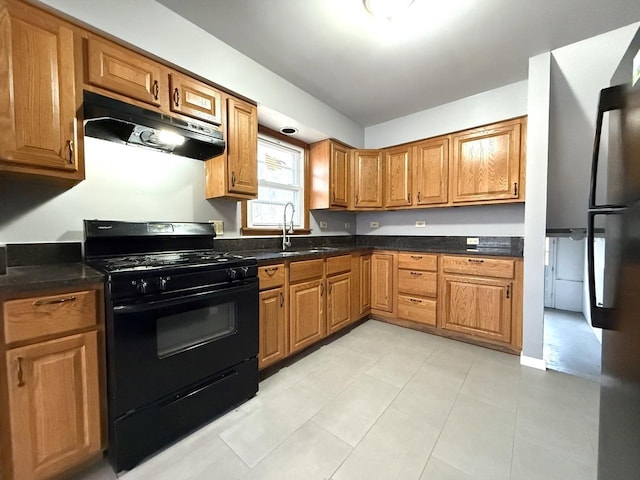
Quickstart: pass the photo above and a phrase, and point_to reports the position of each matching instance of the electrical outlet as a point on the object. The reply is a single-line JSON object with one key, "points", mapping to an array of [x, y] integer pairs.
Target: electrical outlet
{"points": [[347, 225], [219, 226], [323, 224], [473, 240], [374, 224], [421, 224]]}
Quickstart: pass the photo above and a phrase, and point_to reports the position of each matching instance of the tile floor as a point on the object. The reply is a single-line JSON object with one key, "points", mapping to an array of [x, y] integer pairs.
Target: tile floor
{"points": [[384, 402]]}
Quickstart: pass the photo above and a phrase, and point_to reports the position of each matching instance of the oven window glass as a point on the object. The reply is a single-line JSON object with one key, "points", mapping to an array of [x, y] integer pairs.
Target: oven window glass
{"points": [[182, 331]]}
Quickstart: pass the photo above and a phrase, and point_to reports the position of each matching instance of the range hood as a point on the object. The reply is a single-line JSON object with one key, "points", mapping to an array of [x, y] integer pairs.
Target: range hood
{"points": [[120, 122]]}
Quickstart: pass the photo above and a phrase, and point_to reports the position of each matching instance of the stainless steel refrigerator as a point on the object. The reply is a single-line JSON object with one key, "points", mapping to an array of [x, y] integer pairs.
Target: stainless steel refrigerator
{"points": [[614, 212]]}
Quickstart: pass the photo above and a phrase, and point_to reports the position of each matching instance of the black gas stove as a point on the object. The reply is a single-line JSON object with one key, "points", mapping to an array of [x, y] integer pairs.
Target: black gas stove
{"points": [[182, 331]]}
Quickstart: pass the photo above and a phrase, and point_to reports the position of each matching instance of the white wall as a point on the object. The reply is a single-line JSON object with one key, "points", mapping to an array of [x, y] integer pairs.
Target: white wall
{"points": [[578, 73], [125, 183]]}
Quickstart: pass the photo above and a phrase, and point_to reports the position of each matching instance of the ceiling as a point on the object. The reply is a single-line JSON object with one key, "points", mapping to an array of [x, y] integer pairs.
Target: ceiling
{"points": [[376, 70]]}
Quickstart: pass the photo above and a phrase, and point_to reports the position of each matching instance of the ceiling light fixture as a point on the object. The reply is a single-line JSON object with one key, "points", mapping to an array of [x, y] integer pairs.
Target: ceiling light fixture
{"points": [[289, 130], [387, 9]]}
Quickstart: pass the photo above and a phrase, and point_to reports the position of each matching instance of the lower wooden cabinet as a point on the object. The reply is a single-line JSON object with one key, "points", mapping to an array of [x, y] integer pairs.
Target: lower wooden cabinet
{"points": [[382, 290], [307, 322], [338, 302], [365, 284], [272, 327]]}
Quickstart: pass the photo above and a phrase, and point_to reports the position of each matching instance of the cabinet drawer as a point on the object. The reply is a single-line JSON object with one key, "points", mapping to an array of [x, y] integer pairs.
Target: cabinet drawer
{"points": [[338, 264], [418, 261], [416, 282], [271, 276], [420, 310], [49, 314], [486, 267], [306, 269]]}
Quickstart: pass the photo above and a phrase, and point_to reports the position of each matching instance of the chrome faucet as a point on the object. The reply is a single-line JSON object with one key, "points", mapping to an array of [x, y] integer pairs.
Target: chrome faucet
{"points": [[287, 242]]}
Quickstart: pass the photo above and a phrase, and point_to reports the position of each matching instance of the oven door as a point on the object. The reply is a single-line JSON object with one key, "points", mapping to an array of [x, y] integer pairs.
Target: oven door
{"points": [[165, 345]]}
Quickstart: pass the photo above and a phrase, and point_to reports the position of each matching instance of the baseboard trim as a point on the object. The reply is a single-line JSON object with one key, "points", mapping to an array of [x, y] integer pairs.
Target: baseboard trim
{"points": [[532, 362]]}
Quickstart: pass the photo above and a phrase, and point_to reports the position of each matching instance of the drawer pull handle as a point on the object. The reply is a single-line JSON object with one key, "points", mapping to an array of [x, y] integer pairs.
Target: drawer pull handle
{"points": [[20, 373], [70, 146], [281, 299], [233, 178], [321, 289], [515, 189], [416, 274], [416, 257], [508, 291], [409, 198], [155, 89], [53, 301], [176, 97], [419, 197], [271, 271], [414, 300], [473, 260]]}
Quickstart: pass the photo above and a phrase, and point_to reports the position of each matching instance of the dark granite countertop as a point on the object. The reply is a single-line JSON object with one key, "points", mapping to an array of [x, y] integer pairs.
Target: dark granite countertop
{"points": [[36, 278]]}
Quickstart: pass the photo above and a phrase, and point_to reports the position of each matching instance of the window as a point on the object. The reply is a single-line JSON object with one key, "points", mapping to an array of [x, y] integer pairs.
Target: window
{"points": [[281, 178]]}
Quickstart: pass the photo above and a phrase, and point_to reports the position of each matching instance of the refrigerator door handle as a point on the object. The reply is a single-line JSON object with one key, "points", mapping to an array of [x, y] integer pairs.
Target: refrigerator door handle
{"points": [[611, 98]]}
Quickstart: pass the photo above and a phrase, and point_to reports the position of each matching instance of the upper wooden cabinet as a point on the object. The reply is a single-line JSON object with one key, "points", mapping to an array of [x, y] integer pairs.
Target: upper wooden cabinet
{"points": [[193, 98], [398, 176], [39, 132], [431, 172], [330, 166], [486, 163], [367, 179]]}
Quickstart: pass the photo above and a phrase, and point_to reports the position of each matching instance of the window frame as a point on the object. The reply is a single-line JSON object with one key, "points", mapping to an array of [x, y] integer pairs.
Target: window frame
{"points": [[306, 178]]}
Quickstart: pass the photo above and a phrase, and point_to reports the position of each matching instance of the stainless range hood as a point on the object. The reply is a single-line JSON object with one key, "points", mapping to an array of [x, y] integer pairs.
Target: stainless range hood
{"points": [[120, 122]]}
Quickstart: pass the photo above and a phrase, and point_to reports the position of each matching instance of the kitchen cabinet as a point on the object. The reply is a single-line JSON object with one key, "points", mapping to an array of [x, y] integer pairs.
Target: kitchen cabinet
{"points": [[365, 284], [329, 162], [486, 163], [272, 327], [417, 287], [339, 287], [193, 98], [235, 174], [398, 176], [367, 179], [382, 284], [40, 135], [52, 379], [431, 172], [307, 315]]}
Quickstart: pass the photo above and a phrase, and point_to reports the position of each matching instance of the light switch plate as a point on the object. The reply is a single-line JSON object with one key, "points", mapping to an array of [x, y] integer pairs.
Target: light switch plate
{"points": [[473, 240], [347, 225], [374, 224], [323, 224], [219, 226], [421, 224]]}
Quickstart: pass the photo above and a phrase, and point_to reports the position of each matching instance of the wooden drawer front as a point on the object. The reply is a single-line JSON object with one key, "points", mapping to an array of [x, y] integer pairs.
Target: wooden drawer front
{"points": [[415, 282], [305, 269], [420, 310], [39, 316], [486, 267], [338, 264], [418, 261], [271, 276]]}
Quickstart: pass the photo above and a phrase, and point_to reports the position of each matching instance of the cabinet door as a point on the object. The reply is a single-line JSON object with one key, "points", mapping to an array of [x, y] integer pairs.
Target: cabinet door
{"points": [[122, 71], [398, 179], [272, 327], [367, 178], [486, 163], [306, 314], [39, 133], [54, 405], [338, 302], [382, 281], [365, 283], [193, 98], [478, 306], [431, 172], [242, 147], [339, 171]]}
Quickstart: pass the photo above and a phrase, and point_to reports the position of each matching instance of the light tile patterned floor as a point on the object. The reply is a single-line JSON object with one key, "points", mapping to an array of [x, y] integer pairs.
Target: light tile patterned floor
{"points": [[384, 402]]}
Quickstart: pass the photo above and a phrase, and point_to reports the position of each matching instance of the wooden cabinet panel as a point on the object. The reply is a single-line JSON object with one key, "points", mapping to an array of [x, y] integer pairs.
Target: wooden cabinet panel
{"points": [[306, 269], [122, 71], [487, 267], [431, 172], [365, 283], [196, 99], [39, 132], [416, 282], [418, 261], [272, 327], [29, 318], [271, 276], [398, 180], [54, 405], [367, 178], [422, 310], [330, 164], [242, 147], [339, 171], [338, 301], [382, 281], [478, 307], [339, 264], [306, 314], [486, 163]]}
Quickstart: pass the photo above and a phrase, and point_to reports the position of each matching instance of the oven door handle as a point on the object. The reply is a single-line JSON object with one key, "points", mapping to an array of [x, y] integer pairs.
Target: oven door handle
{"points": [[153, 305]]}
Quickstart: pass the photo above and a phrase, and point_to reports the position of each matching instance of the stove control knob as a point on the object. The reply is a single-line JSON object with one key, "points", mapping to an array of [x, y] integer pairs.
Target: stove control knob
{"points": [[243, 272], [143, 286], [163, 283], [232, 273]]}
